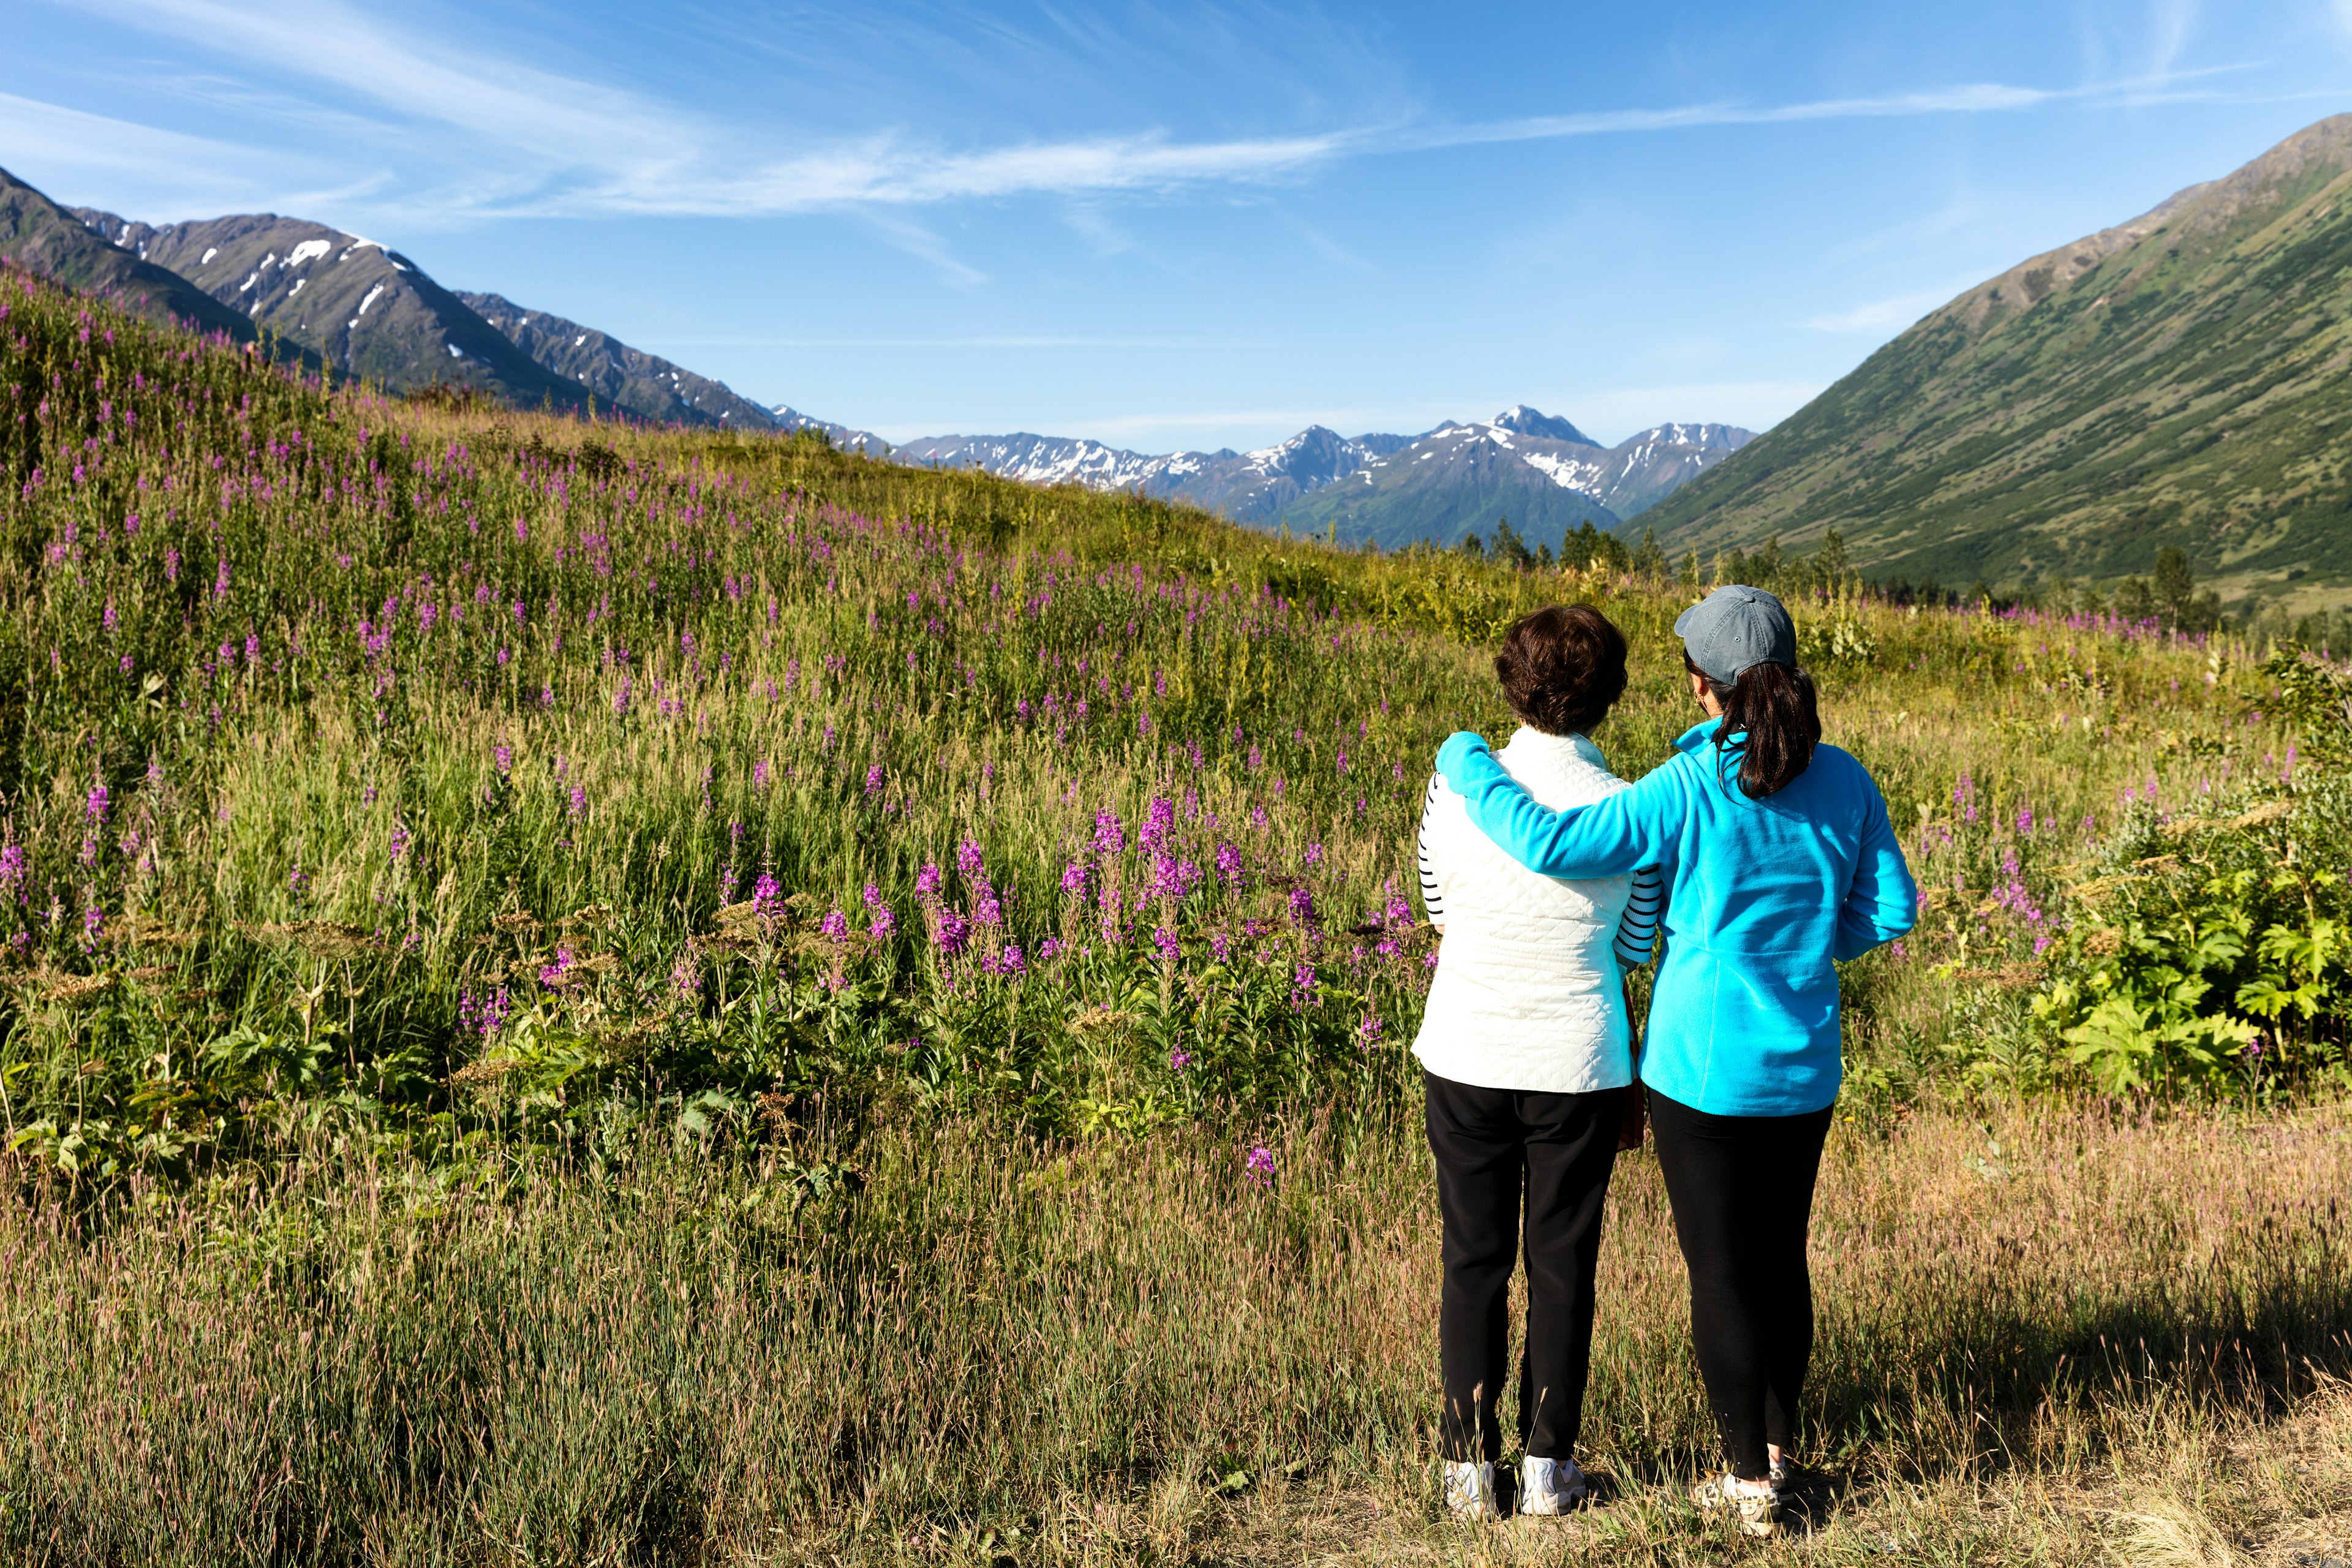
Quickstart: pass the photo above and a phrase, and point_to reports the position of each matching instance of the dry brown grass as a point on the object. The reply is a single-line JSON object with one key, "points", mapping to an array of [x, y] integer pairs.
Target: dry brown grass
{"points": [[2047, 1336]]}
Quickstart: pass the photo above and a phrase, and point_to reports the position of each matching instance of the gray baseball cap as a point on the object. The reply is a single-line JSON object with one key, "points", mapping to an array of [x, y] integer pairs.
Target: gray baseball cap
{"points": [[1734, 629]]}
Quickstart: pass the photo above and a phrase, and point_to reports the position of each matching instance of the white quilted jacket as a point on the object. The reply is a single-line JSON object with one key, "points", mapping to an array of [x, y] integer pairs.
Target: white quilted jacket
{"points": [[1527, 993]]}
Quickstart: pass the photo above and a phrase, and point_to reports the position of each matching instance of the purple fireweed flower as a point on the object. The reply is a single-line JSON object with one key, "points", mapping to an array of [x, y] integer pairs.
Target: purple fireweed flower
{"points": [[950, 931], [768, 900], [1075, 877], [874, 779], [1257, 1166], [760, 774], [485, 1015], [1302, 906], [1315, 854], [1049, 950], [929, 880], [1165, 941], [1302, 979], [987, 911], [95, 807], [969, 860], [399, 841], [554, 973], [835, 925], [1221, 944], [1159, 826], [1229, 864], [1165, 882], [1368, 1029], [884, 924], [685, 978], [504, 757], [1179, 1059], [1110, 834], [124, 664], [579, 801]]}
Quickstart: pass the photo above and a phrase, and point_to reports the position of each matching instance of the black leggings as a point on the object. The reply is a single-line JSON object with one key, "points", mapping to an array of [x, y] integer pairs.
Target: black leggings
{"points": [[1742, 1189], [1494, 1147]]}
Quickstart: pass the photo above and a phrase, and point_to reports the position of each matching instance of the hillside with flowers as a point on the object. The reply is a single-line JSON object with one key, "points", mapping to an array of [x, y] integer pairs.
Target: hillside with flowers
{"points": [[493, 888]]}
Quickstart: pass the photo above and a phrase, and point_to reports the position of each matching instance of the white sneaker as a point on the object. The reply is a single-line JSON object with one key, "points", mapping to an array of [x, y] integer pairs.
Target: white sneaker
{"points": [[1756, 1513], [1549, 1487], [1470, 1491]]}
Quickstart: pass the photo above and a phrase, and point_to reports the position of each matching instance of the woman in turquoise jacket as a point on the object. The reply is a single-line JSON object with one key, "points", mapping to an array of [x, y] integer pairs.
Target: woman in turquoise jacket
{"points": [[1778, 861]]}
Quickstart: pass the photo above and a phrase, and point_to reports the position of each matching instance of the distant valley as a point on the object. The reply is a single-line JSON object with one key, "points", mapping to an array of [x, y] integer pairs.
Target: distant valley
{"points": [[1541, 473]]}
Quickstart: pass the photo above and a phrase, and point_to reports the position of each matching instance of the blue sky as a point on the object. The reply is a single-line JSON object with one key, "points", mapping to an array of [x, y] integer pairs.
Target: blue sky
{"points": [[1172, 226]]}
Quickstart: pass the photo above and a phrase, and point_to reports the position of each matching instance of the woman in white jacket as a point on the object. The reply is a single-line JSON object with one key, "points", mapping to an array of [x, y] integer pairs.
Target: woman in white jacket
{"points": [[1527, 1047]]}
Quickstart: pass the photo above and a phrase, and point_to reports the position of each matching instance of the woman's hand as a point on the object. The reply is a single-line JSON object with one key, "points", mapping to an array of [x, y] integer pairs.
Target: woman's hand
{"points": [[1636, 1118]]}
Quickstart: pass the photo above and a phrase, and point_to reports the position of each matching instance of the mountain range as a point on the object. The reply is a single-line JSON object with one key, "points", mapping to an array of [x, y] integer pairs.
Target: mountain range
{"points": [[338, 300], [1539, 471], [2176, 380]]}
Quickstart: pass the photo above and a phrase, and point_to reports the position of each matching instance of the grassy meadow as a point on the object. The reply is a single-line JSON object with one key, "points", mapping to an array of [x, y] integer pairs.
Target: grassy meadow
{"points": [[583, 993]]}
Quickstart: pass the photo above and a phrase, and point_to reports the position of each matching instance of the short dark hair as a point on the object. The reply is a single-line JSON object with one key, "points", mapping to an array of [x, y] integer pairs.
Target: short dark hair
{"points": [[1562, 667]]}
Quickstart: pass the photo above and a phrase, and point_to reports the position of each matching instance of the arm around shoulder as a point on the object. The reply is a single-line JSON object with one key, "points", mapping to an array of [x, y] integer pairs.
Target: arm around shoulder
{"points": [[1598, 840]]}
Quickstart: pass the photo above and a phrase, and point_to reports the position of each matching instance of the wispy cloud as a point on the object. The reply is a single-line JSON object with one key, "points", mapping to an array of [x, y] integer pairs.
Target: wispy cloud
{"points": [[923, 244], [1882, 315], [48, 137], [543, 144]]}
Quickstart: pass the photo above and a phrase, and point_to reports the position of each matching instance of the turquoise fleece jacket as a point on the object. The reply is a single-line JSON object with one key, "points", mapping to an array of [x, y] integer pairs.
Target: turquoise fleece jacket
{"points": [[1761, 897]]}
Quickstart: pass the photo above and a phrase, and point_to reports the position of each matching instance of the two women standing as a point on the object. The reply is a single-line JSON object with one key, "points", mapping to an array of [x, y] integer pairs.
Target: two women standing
{"points": [[1776, 861]]}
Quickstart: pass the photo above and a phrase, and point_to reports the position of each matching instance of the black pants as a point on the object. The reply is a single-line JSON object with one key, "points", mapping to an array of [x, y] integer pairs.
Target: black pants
{"points": [[1742, 1189], [1496, 1147]]}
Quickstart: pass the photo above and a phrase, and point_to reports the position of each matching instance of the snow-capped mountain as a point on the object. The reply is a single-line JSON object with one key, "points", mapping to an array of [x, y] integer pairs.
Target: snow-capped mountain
{"points": [[372, 312], [1250, 487], [866, 443], [367, 310], [1537, 471]]}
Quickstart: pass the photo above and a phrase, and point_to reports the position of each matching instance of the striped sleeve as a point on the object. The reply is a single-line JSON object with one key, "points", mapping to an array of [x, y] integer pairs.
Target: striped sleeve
{"points": [[1432, 906], [1639, 926]]}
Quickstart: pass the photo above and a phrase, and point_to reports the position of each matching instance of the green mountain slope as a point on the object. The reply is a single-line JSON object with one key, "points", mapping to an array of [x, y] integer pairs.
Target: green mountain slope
{"points": [[47, 240], [2179, 379]]}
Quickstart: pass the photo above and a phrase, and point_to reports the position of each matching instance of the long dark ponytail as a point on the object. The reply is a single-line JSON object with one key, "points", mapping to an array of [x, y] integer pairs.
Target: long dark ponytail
{"points": [[1770, 722]]}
